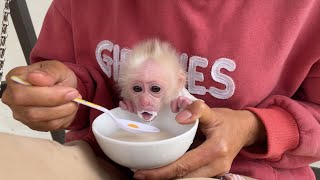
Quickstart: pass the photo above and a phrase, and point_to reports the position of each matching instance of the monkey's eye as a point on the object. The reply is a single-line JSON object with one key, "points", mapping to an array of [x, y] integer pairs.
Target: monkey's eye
{"points": [[155, 88], [137, 88]]}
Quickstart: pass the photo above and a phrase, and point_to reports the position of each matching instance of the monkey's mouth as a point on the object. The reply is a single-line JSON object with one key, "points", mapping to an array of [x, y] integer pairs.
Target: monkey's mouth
{"points": [[147, 115]]}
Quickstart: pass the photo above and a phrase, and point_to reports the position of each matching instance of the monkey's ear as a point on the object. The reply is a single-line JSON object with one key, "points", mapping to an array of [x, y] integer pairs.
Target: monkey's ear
{"points": [[182, 80]]}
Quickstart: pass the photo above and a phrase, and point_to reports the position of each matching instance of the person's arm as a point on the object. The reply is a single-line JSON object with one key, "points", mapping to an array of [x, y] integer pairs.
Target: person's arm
{"points": [[56, 42], [292, 125]]}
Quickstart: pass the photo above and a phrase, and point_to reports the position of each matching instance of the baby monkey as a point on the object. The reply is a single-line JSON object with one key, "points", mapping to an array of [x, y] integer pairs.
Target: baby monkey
{"points": [[151, 78]]}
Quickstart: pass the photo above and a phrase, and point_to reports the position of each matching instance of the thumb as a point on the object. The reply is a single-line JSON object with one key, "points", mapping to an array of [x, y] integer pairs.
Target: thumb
{"points": [[197, 110], [49, 73]]}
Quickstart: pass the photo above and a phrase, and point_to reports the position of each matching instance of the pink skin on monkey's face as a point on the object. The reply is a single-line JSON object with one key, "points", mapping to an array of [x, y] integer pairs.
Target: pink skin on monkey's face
{"points": [[148, 90], [147, 99]]}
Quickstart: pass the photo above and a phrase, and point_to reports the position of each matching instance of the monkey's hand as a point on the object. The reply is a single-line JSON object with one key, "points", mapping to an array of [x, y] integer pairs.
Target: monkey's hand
{"points": [[127, 105], [180, 102]]}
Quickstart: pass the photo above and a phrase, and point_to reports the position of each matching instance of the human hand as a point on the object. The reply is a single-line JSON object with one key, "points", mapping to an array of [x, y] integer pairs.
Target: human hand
{"points": [[47, 104], [226, 132]]}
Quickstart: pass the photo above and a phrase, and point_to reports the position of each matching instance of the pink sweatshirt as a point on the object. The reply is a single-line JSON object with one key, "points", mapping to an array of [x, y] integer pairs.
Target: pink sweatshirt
{"points": [[258, 55]]}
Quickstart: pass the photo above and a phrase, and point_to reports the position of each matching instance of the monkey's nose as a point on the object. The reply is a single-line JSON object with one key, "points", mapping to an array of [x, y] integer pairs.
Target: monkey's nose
{"points": [[145, 101]]}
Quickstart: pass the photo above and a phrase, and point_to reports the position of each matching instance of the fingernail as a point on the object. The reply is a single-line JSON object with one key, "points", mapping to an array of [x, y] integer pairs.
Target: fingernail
{"points": [[71, 95], [139, 176], [183, 115]]}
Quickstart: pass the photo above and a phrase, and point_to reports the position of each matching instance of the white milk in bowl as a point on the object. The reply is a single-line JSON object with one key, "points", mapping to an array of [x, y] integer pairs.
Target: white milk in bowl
{"points": [[122, 135]]}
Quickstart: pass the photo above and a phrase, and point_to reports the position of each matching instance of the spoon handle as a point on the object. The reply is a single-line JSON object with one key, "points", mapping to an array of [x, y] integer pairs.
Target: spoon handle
{"points": [[92, 105]]}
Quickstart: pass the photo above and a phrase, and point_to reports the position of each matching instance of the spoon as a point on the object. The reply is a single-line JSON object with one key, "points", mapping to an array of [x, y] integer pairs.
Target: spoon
{"points": [[128, 125]]}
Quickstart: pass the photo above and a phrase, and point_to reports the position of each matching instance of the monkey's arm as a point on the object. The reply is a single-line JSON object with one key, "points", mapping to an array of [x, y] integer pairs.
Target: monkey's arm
{"points": [[127, 105], [182, 101], [186, 93]]}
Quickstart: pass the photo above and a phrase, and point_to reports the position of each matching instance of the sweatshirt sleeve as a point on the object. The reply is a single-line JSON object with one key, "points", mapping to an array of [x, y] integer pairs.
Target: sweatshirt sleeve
{"points": [[55, 42], [292, 125]]}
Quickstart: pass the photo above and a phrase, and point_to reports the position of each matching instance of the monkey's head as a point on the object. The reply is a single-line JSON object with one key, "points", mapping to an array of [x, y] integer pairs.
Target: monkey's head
{"points": [[151, 77]]}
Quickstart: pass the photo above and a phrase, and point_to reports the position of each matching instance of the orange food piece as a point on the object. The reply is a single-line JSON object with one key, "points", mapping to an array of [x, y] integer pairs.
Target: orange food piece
{"points": [[133, 125]]}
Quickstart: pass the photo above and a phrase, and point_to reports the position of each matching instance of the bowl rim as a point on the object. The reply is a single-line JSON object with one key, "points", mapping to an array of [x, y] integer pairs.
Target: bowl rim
{"points": [[96, 132]]}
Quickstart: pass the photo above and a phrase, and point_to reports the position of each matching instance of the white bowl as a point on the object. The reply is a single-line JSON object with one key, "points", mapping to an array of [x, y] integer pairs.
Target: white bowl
{"points": [[147, 154]]}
